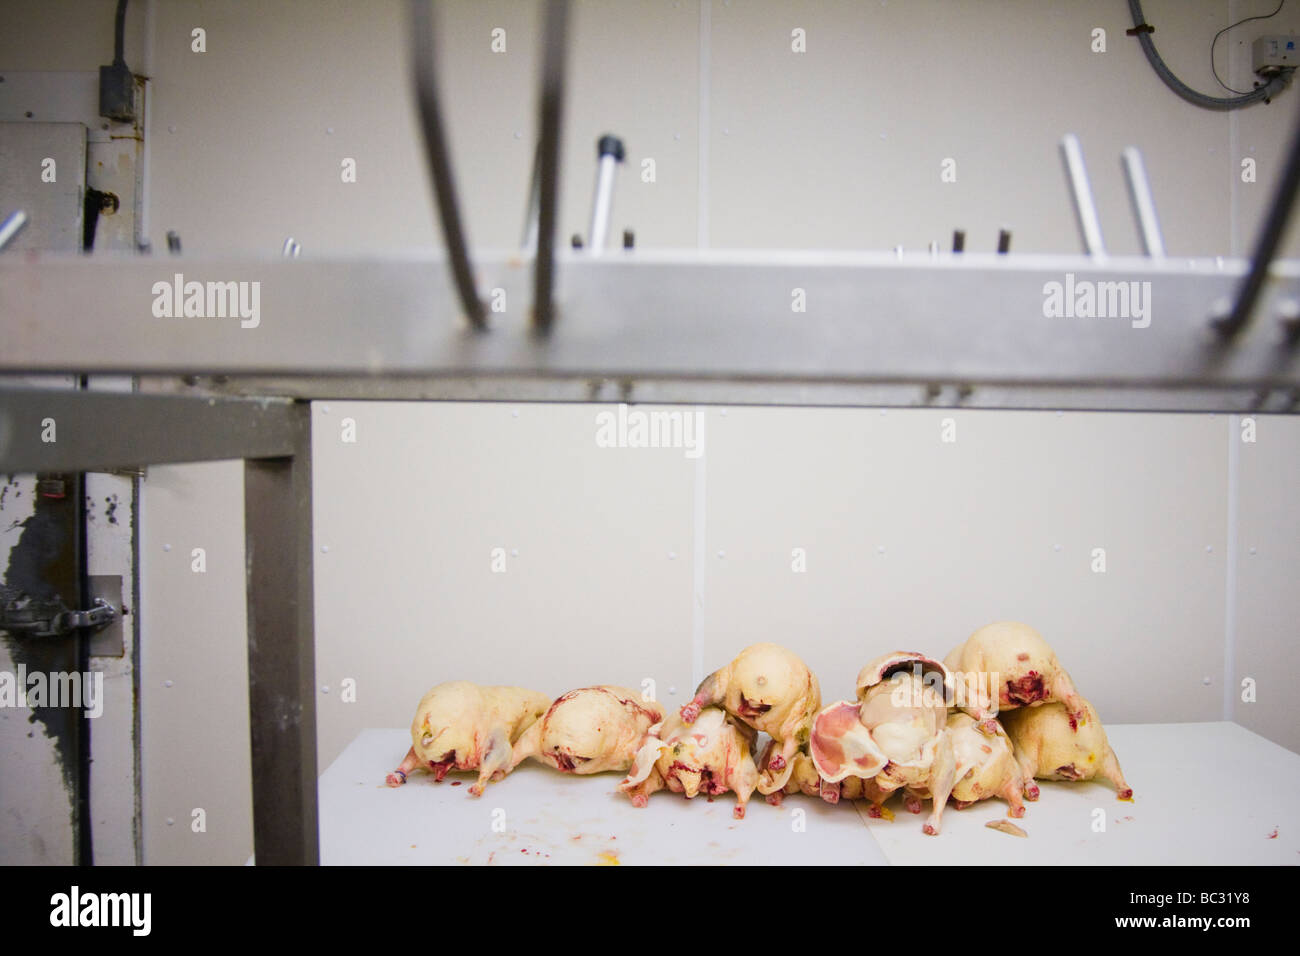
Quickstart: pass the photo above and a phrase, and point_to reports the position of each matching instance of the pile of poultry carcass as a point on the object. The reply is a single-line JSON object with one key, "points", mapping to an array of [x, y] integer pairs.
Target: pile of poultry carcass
{"points": [[996, 713]]}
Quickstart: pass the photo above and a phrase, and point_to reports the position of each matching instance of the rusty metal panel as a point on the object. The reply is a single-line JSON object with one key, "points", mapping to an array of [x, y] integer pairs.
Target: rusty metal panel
{"points": [[42, 784]]}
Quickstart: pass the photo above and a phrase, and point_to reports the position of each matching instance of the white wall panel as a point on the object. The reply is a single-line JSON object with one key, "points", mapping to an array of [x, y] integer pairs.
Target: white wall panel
{"points": [[912, 543], [1266, 626], [408, 517], [194, 666], [841, 146]]}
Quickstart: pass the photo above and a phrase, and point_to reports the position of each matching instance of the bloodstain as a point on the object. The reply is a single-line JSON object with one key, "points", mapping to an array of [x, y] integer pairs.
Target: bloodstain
{"points": [[456, 783], [1027, 689], [1273, 835]]}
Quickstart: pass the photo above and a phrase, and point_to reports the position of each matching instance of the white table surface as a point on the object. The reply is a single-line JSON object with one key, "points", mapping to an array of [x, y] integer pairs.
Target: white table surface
{"points": [[1209, 793], [550, 817]]}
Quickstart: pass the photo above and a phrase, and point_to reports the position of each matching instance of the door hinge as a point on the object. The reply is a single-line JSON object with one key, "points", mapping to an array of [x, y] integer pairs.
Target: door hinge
{"points": [[25, 616]]}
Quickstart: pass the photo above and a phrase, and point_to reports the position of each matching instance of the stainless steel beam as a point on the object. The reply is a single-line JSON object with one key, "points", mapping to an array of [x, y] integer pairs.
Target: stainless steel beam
{"points": [[661, 391], [281, 652], [975, 319], [56, 430]]}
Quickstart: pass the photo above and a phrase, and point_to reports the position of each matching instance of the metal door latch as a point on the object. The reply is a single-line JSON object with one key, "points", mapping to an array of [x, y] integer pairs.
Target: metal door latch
{"points": [[24, 616]]}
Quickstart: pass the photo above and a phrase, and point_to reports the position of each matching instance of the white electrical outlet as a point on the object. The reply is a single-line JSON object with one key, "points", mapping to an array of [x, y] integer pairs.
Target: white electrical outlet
{"points": [[1274, 53]]}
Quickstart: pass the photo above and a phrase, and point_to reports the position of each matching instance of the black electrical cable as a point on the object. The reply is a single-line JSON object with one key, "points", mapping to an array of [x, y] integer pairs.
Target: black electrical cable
{"points": [[117, 93], [119, 35], [1270, 237], [1225, 30], [1264, 94]]}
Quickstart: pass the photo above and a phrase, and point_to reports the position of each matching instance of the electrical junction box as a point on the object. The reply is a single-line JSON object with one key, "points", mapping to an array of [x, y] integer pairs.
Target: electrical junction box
{"points": [[1274, 53]]}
